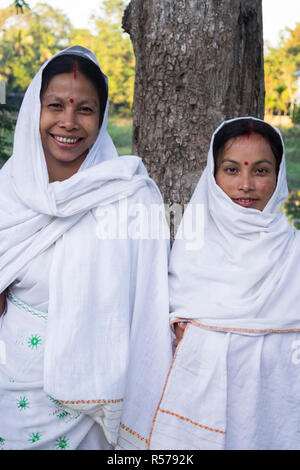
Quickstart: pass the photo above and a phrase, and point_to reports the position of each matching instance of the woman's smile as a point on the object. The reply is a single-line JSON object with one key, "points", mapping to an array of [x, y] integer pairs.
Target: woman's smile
{"points": [[66, 140], [245, 202]]}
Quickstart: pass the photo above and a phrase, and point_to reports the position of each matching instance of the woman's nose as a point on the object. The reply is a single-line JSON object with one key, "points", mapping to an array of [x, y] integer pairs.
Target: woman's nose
{"points": [[246, 182], [68, 119]]}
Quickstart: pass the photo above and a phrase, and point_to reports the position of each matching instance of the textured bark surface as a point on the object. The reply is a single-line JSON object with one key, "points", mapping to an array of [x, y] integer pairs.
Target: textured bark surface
{"points": [[198, 62]]}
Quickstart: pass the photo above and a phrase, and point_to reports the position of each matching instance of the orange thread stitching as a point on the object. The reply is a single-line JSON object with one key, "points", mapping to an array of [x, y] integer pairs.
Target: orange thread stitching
{"points": [[244, 330], [126, 428], [164, 389], [207, 428], [171, 426]]}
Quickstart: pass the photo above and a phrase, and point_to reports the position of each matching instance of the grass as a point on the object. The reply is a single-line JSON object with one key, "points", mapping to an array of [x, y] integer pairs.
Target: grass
{"points": [[291, 138], [121, 132]]}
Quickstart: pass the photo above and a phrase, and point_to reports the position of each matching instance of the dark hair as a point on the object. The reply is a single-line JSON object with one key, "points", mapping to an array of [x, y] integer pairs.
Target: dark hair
{"points": [[246, 126], [65, 63]]}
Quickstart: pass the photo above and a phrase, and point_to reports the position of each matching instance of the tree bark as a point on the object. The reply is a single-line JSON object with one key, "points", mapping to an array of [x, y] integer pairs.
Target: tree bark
{"points": [[198, 62]]}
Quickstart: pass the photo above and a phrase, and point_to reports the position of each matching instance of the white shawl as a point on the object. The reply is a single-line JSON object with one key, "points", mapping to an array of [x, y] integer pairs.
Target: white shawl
{"points": [[242, 275], [92, 282]]}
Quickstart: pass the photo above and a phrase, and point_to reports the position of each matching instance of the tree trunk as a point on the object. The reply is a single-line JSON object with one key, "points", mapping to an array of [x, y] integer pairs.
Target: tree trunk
{"points": [[198, 62]]}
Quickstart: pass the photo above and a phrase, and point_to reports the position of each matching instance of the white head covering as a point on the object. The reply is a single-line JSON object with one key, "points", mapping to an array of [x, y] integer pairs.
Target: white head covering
{"points": [[89, 310], [29, 202], [243, 277]]}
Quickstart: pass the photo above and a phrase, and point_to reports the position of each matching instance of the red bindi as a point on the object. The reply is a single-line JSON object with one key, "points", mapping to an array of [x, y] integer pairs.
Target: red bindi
{"points": [[71, 100], [246, 163]]}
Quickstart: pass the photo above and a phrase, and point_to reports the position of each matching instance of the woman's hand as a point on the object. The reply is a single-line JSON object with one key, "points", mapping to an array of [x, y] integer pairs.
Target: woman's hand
{"points": [[179, 328], [2, 302]]}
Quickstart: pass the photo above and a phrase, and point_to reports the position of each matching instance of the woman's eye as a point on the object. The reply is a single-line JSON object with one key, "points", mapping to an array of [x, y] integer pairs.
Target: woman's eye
{"points": [[86, 109], [262, 171], [54, 105], [230, 170]]}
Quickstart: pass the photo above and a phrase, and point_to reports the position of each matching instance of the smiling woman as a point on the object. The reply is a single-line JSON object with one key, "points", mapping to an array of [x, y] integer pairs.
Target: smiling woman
{"points": [[71, 295]]}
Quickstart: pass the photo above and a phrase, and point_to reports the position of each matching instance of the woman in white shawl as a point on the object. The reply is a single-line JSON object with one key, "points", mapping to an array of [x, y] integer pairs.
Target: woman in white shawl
{"points": [[234, 382], [81, 281]]}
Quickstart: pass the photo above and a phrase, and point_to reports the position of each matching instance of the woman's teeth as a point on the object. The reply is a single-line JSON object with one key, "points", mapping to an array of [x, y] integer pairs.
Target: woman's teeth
{"points": [[65, 140]]}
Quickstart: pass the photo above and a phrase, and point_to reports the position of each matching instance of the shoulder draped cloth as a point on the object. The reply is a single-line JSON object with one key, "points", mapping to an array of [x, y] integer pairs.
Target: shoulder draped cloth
{"points": [[97, 288]]}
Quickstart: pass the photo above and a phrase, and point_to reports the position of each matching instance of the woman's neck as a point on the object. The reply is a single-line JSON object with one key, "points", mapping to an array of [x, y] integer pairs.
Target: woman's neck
{"points": [[60, 171]]}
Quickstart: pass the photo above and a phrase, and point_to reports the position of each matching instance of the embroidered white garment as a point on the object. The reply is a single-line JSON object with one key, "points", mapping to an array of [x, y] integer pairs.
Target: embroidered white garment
{"points": [[31, 418], [239, 289], [92, 281]]}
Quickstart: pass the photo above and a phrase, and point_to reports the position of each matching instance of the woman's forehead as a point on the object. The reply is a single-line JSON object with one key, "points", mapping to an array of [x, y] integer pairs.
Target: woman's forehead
{"points": [[67, 86], [254, 146]]}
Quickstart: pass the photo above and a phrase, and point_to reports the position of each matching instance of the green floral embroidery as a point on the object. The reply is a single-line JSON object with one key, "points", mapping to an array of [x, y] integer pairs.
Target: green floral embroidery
{"points": [[63, 414], [56, 402], [62, 443], [23, 403], [34, 437], [2, 441], [34, 341]]}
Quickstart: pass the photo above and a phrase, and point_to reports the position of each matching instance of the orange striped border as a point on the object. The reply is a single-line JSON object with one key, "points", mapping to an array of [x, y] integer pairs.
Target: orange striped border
{"points": [[238, 330], [207, 428], [165, 386], [83, 402], [126, 428], [244, 330]]}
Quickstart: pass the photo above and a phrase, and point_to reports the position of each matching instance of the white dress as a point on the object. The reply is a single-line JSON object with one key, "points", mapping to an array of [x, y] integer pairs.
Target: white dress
{"points": [[33, 419], [231, 391]]}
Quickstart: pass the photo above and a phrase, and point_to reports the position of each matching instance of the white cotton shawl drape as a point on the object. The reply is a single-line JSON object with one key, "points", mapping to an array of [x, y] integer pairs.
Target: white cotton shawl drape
{"points": [[86, 353], [242, 275]]}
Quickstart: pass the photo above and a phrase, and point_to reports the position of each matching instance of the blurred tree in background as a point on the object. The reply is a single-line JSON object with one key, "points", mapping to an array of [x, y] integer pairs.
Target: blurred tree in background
{"points": [[115, 53], [292, 208], [30, 38], [27, 41], [280, 65], [20, 5]]}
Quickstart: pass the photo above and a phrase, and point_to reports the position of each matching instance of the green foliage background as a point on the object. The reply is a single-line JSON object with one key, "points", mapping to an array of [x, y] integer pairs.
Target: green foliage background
{"points": [[28, 37], [280, 65], [27, 40]]}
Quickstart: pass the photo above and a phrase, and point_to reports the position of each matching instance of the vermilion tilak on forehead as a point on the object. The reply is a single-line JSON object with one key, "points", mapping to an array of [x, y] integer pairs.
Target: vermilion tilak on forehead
{"points": [[75, 75], [249, 130]]}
